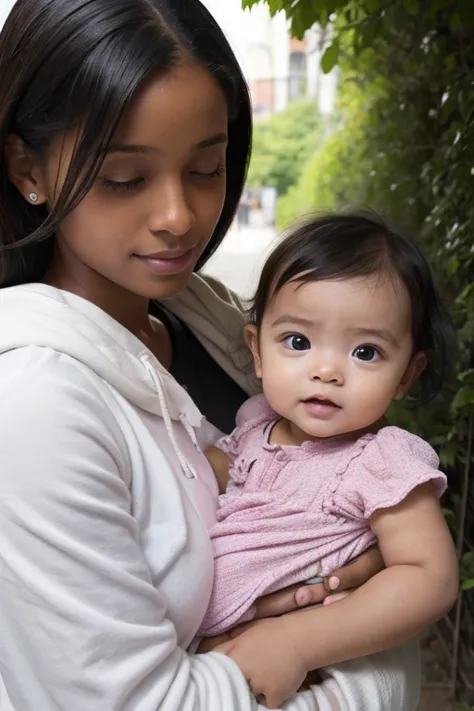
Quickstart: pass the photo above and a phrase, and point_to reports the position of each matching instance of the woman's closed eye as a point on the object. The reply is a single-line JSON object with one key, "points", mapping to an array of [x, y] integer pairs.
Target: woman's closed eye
{"points": [[123, 185], [217, 172], [367, 353], [296, 342]]}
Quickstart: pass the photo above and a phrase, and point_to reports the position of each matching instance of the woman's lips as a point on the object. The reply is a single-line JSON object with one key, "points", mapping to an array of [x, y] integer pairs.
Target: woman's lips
{"points": [[167, 262]]}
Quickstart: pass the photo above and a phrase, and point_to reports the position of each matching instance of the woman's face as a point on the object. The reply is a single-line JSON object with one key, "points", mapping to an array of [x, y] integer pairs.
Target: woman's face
{"points": [[159, 194]]}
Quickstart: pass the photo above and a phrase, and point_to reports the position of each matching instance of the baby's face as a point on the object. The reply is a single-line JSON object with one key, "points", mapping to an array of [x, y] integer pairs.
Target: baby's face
{"points": [[332, 355]]}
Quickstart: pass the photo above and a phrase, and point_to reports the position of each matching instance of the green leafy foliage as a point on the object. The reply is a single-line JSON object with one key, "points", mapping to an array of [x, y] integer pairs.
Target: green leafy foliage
{"points": [[467, 572], [282, 145], [335, 175], [304, 13], [330, 57]]}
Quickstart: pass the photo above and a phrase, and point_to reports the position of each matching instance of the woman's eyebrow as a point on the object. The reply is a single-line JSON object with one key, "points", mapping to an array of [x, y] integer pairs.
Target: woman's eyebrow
{"points": [[136, 148], [212, 141]]}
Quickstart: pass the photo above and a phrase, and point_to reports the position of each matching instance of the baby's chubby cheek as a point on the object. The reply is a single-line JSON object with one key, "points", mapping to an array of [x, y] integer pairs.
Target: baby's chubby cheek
{"points": [[278, 392]]}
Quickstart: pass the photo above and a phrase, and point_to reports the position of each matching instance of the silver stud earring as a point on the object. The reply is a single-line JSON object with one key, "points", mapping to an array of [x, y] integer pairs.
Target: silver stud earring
{"points": [[33, 197]]}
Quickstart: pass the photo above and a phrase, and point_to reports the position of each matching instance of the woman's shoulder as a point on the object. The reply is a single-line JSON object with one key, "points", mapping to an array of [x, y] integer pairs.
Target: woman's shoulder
{"points": [[39, 384], [39, 367], [208, 283], [54, 420]]}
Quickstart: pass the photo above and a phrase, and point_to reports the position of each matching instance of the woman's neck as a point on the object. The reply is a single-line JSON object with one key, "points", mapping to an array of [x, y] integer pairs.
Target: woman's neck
{"points": [[130, 310]]}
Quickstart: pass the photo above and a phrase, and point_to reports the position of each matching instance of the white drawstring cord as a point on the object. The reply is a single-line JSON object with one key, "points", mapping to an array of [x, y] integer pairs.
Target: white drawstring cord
{"points": [[185, 465], [189, 429]]}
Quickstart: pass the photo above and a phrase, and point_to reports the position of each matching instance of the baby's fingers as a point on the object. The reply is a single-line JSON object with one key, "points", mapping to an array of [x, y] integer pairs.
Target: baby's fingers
{"points": [[330, 599], [310, 594], [278, 603], [357, 572]]}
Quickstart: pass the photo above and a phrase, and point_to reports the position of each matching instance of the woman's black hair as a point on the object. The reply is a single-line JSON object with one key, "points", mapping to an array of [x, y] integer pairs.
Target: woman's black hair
{"points": [[360, 244], [77, 64]]}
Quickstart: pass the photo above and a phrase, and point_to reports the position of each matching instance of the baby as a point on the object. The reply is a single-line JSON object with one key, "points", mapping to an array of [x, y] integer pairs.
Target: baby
{"points": [[345, 319]]}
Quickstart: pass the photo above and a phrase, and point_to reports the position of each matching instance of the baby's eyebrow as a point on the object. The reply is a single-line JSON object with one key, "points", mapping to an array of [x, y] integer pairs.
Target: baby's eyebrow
{"points": [[293, 320], [382, 333]]}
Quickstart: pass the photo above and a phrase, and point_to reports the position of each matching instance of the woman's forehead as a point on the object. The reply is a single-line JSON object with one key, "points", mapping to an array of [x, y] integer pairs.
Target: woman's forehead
{"points": [[181, 109]]}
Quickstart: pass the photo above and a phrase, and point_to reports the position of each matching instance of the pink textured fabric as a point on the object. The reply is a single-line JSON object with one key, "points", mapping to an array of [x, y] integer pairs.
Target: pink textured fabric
{"points": [[291, 513]]}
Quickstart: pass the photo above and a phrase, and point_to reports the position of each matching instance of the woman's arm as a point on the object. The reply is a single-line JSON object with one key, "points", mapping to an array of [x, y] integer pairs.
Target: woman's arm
{"points": [[83, 624], [389, 681]]}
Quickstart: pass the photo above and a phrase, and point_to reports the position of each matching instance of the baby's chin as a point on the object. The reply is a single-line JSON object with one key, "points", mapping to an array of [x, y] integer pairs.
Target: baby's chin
{"points": [[327, 431], [315, 431]]}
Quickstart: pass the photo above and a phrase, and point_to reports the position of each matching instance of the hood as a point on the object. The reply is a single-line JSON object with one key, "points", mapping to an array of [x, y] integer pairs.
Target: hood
{"points": [[40, 315]]}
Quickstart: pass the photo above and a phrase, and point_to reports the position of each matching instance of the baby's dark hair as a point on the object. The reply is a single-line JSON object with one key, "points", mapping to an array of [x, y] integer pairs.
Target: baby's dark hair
{"points": [[360, 244]]}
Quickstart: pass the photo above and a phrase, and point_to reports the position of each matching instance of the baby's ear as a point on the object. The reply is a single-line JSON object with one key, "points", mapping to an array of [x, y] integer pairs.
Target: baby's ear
{"points": [[251, 336], [415, 368]]}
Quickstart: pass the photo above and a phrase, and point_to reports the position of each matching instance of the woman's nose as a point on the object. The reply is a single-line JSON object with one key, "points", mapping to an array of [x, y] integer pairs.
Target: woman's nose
{"points": [[171, 211]]}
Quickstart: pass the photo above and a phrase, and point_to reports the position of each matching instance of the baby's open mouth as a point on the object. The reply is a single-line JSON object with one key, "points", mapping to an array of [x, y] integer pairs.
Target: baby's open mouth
{"points": [[320, 408], [316, 400]]}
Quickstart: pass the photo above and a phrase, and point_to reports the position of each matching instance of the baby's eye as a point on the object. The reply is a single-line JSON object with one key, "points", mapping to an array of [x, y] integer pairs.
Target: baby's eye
{"points": [[297, 342], [366, 353]]}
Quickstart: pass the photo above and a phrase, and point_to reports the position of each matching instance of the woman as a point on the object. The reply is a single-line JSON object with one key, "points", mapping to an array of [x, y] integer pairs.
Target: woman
{"points": [[119, 120]]}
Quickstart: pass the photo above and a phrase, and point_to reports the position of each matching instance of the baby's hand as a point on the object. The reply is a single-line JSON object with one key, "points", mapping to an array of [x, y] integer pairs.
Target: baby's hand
{"points": [[270, 661]]}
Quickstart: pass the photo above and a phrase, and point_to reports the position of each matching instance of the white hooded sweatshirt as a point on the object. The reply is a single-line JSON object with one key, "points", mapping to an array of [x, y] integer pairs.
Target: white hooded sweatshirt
{"points": [[105, 504]]}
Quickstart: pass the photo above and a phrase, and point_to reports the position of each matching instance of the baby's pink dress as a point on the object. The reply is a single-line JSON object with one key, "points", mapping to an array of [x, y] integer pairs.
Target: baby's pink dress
{"points": [[292, 513]]}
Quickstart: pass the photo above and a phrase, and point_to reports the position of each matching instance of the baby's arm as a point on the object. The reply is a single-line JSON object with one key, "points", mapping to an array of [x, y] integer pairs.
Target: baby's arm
{"points": [[418, 587], [219, 462]]}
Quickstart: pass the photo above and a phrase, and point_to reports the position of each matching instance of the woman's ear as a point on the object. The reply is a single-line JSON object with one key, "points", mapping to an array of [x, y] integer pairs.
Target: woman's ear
{"points": [[414, 370], [251, 336], [23, 170]]}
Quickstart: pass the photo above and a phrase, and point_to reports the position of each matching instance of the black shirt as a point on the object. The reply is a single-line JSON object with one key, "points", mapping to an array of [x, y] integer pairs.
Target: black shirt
{"points": [[214, 392]]}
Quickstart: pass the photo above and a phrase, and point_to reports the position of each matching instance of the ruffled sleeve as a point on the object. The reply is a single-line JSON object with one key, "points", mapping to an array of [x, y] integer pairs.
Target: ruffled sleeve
{"points": [[251, 414], [254, 410], [389, 467]]}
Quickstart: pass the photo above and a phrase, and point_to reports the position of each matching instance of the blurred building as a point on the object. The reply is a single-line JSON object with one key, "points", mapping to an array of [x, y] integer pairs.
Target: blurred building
{"points": [[279, 68]]}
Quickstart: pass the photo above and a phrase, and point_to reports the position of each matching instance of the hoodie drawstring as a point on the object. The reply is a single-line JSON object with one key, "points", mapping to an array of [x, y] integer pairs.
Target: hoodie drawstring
{"points": [[189, 429], [187, 468]]}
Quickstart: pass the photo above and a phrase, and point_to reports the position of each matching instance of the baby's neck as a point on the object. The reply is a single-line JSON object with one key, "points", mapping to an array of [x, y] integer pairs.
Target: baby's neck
{"points": [[285, 433]]}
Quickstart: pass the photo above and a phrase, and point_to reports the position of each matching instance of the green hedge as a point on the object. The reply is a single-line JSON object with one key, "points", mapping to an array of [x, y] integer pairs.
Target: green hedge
{"points": [[282, 144]]}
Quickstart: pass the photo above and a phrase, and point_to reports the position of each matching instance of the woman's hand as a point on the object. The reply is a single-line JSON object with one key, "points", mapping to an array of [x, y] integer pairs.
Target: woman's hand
{"points": [[271, 662], [335, 587], [208, 644]]}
